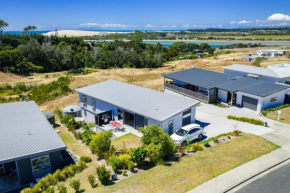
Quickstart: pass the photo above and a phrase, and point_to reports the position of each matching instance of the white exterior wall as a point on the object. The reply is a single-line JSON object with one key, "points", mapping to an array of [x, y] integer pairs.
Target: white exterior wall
{"points": [[264, 103], [240, 98], [223, 95], [89, 116], [177, 121], [88, 113]]}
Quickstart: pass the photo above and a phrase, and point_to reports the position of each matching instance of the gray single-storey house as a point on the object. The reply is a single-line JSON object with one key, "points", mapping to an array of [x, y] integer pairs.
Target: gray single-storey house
{"points": [[135, 106], [29, 146], [275, 75], [209, 87]]}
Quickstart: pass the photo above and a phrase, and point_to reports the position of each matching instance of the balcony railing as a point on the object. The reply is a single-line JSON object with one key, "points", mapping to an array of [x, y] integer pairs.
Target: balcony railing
{"points": [[187, 92]]}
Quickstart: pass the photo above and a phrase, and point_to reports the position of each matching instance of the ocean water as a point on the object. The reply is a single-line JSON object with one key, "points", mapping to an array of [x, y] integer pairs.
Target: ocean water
{"points": [[166, 43]]}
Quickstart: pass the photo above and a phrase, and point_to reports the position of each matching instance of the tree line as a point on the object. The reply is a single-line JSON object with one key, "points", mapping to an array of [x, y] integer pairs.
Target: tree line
{"points": [[32, 52]]}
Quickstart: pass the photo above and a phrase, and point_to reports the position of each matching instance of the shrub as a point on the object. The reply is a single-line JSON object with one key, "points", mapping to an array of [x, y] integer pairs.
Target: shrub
{"points": [[196, 147], [103, 174], [66, 119], [101, 143], [110, 153], [68, 172], [50, 189], [51, 180], [138, 155], [158, 143], [87, 136], [92, 180], [216, 140], [27, 190], [124, 172], [61, 188], [247, 120], [36, 188], [59, 175], [75, 184], [115, 162], [86, 159], [124, 159], [43, 185], [130, 166], [237, 133], [206, 144]]}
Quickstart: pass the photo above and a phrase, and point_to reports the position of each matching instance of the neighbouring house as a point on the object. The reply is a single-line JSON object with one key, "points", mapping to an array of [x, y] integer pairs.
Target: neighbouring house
{"points": [[210, 87], [272, 53], [273, 74], [135, 106], [29, 146]]}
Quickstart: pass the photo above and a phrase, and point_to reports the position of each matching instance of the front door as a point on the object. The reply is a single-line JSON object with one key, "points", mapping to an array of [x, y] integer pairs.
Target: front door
{"points": [[170, 127], [129, 119]]}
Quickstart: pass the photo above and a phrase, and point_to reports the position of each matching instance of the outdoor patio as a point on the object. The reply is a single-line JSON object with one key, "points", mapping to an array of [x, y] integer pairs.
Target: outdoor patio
{"points": [[9, 182], [128, 129]]}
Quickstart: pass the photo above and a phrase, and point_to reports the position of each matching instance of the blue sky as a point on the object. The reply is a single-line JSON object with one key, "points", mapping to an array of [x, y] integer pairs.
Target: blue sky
{"points": [[143, 14]]}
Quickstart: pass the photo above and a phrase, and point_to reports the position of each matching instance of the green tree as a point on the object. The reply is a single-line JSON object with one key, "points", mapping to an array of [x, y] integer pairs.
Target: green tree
{"points": [[114, 161], [158, 143], [3, 24], [101, 143], [103, 174], [29, 29], [138, 155]]}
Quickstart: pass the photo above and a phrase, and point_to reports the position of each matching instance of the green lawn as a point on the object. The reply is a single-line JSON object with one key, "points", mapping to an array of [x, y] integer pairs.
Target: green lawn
{"points": [[190, 172], [285, 116], [126, 141], [195, 169]]}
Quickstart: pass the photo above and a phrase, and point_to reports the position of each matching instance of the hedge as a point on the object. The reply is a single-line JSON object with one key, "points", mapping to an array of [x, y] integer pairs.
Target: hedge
{"points": [[247, 120], [265, 112]]}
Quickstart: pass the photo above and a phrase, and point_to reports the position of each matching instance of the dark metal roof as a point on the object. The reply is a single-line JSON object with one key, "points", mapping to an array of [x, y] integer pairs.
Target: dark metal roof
{"points": [[264, 88], [210, 79], [199, 77]]}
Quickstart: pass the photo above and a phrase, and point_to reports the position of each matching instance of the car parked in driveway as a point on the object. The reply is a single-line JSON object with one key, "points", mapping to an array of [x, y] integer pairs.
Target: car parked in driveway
{"points": [[189, 132]]}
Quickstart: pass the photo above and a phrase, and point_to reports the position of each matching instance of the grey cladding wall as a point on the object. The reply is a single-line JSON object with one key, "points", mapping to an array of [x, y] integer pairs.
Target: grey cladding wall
{"points": [[56, 160], [25, 171]]}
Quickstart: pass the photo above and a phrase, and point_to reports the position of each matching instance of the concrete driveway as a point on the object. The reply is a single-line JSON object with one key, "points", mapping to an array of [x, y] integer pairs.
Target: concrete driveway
{"points": [[214, 120]]}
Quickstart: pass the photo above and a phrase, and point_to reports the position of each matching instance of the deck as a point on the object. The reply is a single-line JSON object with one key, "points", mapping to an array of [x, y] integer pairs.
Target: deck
{"points": [[189, 93]]}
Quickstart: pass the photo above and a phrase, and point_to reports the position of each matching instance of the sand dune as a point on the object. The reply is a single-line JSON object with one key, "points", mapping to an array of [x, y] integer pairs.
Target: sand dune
{"points": [[76, 33]]}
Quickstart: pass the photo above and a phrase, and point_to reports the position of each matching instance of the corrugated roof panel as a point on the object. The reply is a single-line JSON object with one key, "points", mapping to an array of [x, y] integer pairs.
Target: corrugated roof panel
{"points": [[199, 77], [149, 103], [24, 130]]}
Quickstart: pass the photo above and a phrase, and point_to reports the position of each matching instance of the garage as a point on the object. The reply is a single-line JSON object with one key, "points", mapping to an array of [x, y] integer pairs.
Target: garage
{"points": [[250, 103]]}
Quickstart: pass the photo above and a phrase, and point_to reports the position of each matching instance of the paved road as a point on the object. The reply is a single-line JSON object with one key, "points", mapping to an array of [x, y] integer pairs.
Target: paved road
{"points": [[277, 181]]}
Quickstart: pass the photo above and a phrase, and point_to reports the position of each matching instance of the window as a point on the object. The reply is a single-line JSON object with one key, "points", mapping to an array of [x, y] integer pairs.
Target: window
{"points": [[186, 117], [94, 104], [84, 100], [193, 131], [145, 122], [1, 170], [287, 82], [273, 99], [170, 127], [40, 163]]}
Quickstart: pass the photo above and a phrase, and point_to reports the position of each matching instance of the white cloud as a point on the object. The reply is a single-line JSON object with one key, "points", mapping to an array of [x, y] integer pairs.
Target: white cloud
{"points": [[174, 26], [105, 25], [149, 25], [278, 17], [232, 22], [244, 22], [186, 26]]}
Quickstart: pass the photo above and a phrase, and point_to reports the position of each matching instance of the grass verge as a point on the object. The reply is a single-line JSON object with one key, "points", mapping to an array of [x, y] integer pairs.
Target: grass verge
{"points": [[285, 116]]}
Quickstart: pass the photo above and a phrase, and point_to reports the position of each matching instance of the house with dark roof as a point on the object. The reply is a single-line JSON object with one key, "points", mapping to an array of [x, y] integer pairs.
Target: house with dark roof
{"points": [[210, 87], [29, 146], [135, 106]]}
